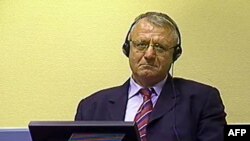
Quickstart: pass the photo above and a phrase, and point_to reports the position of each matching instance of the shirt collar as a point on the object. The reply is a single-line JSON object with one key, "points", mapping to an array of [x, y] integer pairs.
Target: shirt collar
{"points": [[134, 87]]}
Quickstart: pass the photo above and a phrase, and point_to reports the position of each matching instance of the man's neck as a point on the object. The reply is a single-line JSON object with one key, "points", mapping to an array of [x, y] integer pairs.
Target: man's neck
{"points": [[147, 82]]}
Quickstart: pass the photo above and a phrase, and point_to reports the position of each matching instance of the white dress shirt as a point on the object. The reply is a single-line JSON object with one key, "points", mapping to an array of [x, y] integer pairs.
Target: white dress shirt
{"points": [[135, 99]]}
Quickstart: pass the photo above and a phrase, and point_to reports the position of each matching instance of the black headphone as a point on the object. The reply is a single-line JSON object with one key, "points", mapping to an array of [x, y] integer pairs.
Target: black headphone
{"points": [[177, 49]]}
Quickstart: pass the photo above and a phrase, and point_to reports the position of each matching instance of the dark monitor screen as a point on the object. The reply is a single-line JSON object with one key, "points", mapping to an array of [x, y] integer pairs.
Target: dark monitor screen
{"points": [[63, 130]]}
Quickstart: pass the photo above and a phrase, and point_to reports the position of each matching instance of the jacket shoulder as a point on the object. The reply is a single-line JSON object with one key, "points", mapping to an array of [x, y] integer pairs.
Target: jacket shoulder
{"points": [[92, 106], [102, 94], [191, 85]]}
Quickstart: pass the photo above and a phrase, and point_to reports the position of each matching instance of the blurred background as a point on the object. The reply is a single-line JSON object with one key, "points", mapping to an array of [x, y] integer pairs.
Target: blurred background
{"points": [[55, 53]]}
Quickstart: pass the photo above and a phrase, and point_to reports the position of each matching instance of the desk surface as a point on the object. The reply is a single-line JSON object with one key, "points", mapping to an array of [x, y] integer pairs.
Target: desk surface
{"points": [[12, 134]]}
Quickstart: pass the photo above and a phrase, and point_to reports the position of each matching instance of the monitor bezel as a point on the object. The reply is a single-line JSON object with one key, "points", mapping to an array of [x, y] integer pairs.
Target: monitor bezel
{"points": [[62, 130]]}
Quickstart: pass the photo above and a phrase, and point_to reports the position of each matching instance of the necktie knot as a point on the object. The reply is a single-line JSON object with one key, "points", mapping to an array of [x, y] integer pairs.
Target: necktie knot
{"points": [[146, 93]]}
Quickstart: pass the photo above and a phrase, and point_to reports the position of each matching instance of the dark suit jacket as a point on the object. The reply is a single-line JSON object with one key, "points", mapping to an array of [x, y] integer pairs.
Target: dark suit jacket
{"points": [[186, 110]]}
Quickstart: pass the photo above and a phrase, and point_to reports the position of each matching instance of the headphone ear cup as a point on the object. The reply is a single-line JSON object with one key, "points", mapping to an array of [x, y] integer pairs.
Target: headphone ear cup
{"points": [[177, 53], [125, 48]]}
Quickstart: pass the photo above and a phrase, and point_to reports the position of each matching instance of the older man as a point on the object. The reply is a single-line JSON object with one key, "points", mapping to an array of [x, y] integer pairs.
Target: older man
{"points": [[164, 108]]}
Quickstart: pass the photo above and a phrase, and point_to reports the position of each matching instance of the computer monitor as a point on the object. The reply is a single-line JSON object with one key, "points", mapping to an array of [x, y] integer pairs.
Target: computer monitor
{"points": [[64, 130]]}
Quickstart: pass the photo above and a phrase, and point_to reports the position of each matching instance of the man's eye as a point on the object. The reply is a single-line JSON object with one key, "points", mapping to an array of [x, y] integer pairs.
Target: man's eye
{"points": [[160, 47], [142, 45]]}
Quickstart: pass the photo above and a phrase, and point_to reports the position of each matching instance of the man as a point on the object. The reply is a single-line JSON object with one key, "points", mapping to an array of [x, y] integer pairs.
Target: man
{"points": [[164, 108]]}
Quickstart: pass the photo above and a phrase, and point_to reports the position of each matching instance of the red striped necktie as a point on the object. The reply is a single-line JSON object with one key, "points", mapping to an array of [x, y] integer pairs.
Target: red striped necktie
{"points": [[142, 115]]}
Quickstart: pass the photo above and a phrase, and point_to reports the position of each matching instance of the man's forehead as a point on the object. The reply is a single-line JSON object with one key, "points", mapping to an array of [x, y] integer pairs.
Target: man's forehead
{"points": [[145, 29]]}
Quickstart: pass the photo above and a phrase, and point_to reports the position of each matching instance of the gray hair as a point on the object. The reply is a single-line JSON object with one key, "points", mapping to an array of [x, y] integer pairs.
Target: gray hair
{"points": [[159, 20]]}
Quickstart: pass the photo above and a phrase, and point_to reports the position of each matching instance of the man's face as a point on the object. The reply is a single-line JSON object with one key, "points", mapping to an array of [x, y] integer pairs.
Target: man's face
{"points": [[151, 63]]}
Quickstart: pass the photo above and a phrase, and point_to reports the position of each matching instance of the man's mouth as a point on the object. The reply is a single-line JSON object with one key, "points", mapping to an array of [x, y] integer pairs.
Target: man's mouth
{"points": [[147, 66]]}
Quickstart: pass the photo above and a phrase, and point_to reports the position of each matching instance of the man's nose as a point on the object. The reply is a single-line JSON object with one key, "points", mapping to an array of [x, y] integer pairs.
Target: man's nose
{"points": [[150, 53]]}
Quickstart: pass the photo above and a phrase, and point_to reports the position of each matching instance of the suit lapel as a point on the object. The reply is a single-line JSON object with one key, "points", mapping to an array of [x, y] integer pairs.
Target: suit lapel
{"points": [[166, 100], [117, 102]]}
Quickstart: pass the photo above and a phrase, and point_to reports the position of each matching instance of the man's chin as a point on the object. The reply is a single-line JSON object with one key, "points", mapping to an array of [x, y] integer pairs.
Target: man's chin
{"points": [[147, 74]]}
